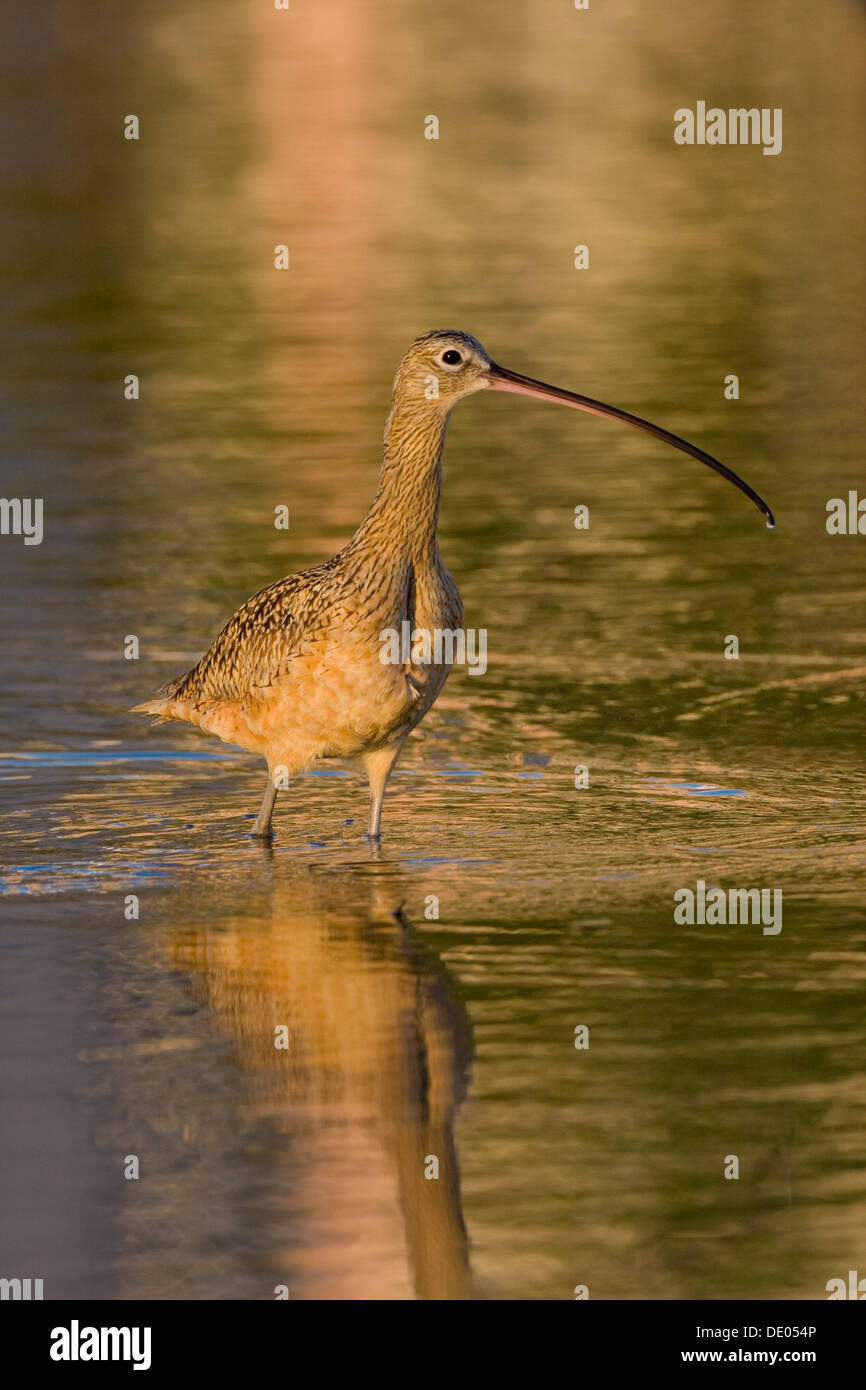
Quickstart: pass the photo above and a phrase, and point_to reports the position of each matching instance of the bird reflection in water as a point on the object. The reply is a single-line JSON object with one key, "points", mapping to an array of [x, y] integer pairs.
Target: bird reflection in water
{"points": [[367, 1091]]}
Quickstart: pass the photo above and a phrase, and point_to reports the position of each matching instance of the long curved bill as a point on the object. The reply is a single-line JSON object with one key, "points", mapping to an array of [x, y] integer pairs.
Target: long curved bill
{"points": [[500, 379]]}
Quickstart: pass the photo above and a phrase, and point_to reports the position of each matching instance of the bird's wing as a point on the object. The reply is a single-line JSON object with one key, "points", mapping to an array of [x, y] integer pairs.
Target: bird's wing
{"points": [[255, 647]]}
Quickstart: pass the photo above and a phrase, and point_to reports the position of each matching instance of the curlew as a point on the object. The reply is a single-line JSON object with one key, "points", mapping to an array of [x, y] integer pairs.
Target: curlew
{"points": [[298, 673]]}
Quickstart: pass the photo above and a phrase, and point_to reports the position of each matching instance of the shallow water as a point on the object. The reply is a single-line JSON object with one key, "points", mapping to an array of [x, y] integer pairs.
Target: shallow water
{"points": [[413, 1035]]}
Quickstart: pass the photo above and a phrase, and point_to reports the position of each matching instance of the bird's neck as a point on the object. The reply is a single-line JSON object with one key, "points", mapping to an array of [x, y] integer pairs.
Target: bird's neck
{"points": [[405, 512]]}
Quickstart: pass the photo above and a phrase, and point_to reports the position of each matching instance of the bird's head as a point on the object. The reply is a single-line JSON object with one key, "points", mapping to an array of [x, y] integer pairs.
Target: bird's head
{"points": [[442, 367]]}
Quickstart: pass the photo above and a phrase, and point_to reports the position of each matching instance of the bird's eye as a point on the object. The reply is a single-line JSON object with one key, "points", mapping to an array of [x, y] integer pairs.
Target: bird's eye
{"points": [[452, 357]]}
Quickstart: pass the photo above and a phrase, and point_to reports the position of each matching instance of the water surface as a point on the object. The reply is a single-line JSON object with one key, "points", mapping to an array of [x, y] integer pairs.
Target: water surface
{"points": [[413, 1034]]}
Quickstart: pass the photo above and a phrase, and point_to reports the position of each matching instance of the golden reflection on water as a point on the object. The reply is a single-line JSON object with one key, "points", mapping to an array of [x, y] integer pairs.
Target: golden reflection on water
{"points": [[377, 1065]]}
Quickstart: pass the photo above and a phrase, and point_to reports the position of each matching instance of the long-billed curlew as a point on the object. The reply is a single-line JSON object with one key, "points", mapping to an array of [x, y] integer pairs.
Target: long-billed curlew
{"points": [[298, 673]]}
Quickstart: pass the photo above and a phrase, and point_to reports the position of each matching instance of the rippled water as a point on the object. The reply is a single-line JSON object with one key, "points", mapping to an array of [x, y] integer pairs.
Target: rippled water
{"points": [[413, 1035]]}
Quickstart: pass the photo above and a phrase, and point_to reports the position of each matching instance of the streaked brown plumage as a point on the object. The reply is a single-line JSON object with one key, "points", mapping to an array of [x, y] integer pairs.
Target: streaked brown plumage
{"points": [[297, 673]]}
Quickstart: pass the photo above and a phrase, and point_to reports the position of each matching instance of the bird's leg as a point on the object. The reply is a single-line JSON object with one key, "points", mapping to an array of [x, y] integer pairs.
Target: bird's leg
{"points": [[262, 825], [379, 766]]}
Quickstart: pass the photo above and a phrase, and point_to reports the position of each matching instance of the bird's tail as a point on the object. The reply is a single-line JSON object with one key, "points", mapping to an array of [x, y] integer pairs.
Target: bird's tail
{"points": [[161, 707], [169, 707]]}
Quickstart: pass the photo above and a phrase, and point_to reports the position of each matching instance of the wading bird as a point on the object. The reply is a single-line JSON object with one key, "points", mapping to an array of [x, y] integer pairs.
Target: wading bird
{"points": [[298, 673]]}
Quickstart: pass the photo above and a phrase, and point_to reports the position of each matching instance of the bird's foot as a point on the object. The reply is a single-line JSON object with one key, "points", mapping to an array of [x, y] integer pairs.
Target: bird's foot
{"points": [[374, 843]]}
